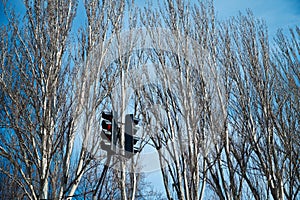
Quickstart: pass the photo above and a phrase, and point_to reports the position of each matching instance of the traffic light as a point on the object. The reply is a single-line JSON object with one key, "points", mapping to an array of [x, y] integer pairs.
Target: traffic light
{"points": [[131, 127], [109, 131]]}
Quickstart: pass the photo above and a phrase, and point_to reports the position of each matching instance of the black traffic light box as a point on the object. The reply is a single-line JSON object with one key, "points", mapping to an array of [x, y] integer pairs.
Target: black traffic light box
{"points": [[131, 127]]}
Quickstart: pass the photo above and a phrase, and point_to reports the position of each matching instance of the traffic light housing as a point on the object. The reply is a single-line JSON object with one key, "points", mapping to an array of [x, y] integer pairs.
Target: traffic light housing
{"points": [[131, 127], [109, 131]]}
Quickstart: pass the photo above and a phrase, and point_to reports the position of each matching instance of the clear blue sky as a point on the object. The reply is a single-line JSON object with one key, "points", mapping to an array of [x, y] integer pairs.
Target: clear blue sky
{"points": [[277, 13]]}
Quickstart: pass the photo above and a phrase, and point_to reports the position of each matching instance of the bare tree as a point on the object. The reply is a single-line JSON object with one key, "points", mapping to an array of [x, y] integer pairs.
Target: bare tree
{"points": [[248, 157], [187, 90], [35, 82], [285, 115], [51, 101], [259, 155]]}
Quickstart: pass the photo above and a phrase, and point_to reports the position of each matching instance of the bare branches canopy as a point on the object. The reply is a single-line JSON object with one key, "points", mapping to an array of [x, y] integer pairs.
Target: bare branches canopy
{"points": [[218, 101]]}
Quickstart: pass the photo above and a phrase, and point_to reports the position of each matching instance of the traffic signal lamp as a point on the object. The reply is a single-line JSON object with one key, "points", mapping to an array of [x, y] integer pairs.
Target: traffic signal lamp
{"points": [[109, 131], [131, 127]]}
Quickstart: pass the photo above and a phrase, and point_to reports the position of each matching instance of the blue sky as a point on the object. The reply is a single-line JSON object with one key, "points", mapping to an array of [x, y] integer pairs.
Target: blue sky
{"points": [[277, 13]]}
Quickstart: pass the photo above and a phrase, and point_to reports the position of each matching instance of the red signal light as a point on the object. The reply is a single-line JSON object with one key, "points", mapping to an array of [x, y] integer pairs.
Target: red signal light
{"points": [[107, 126]]}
